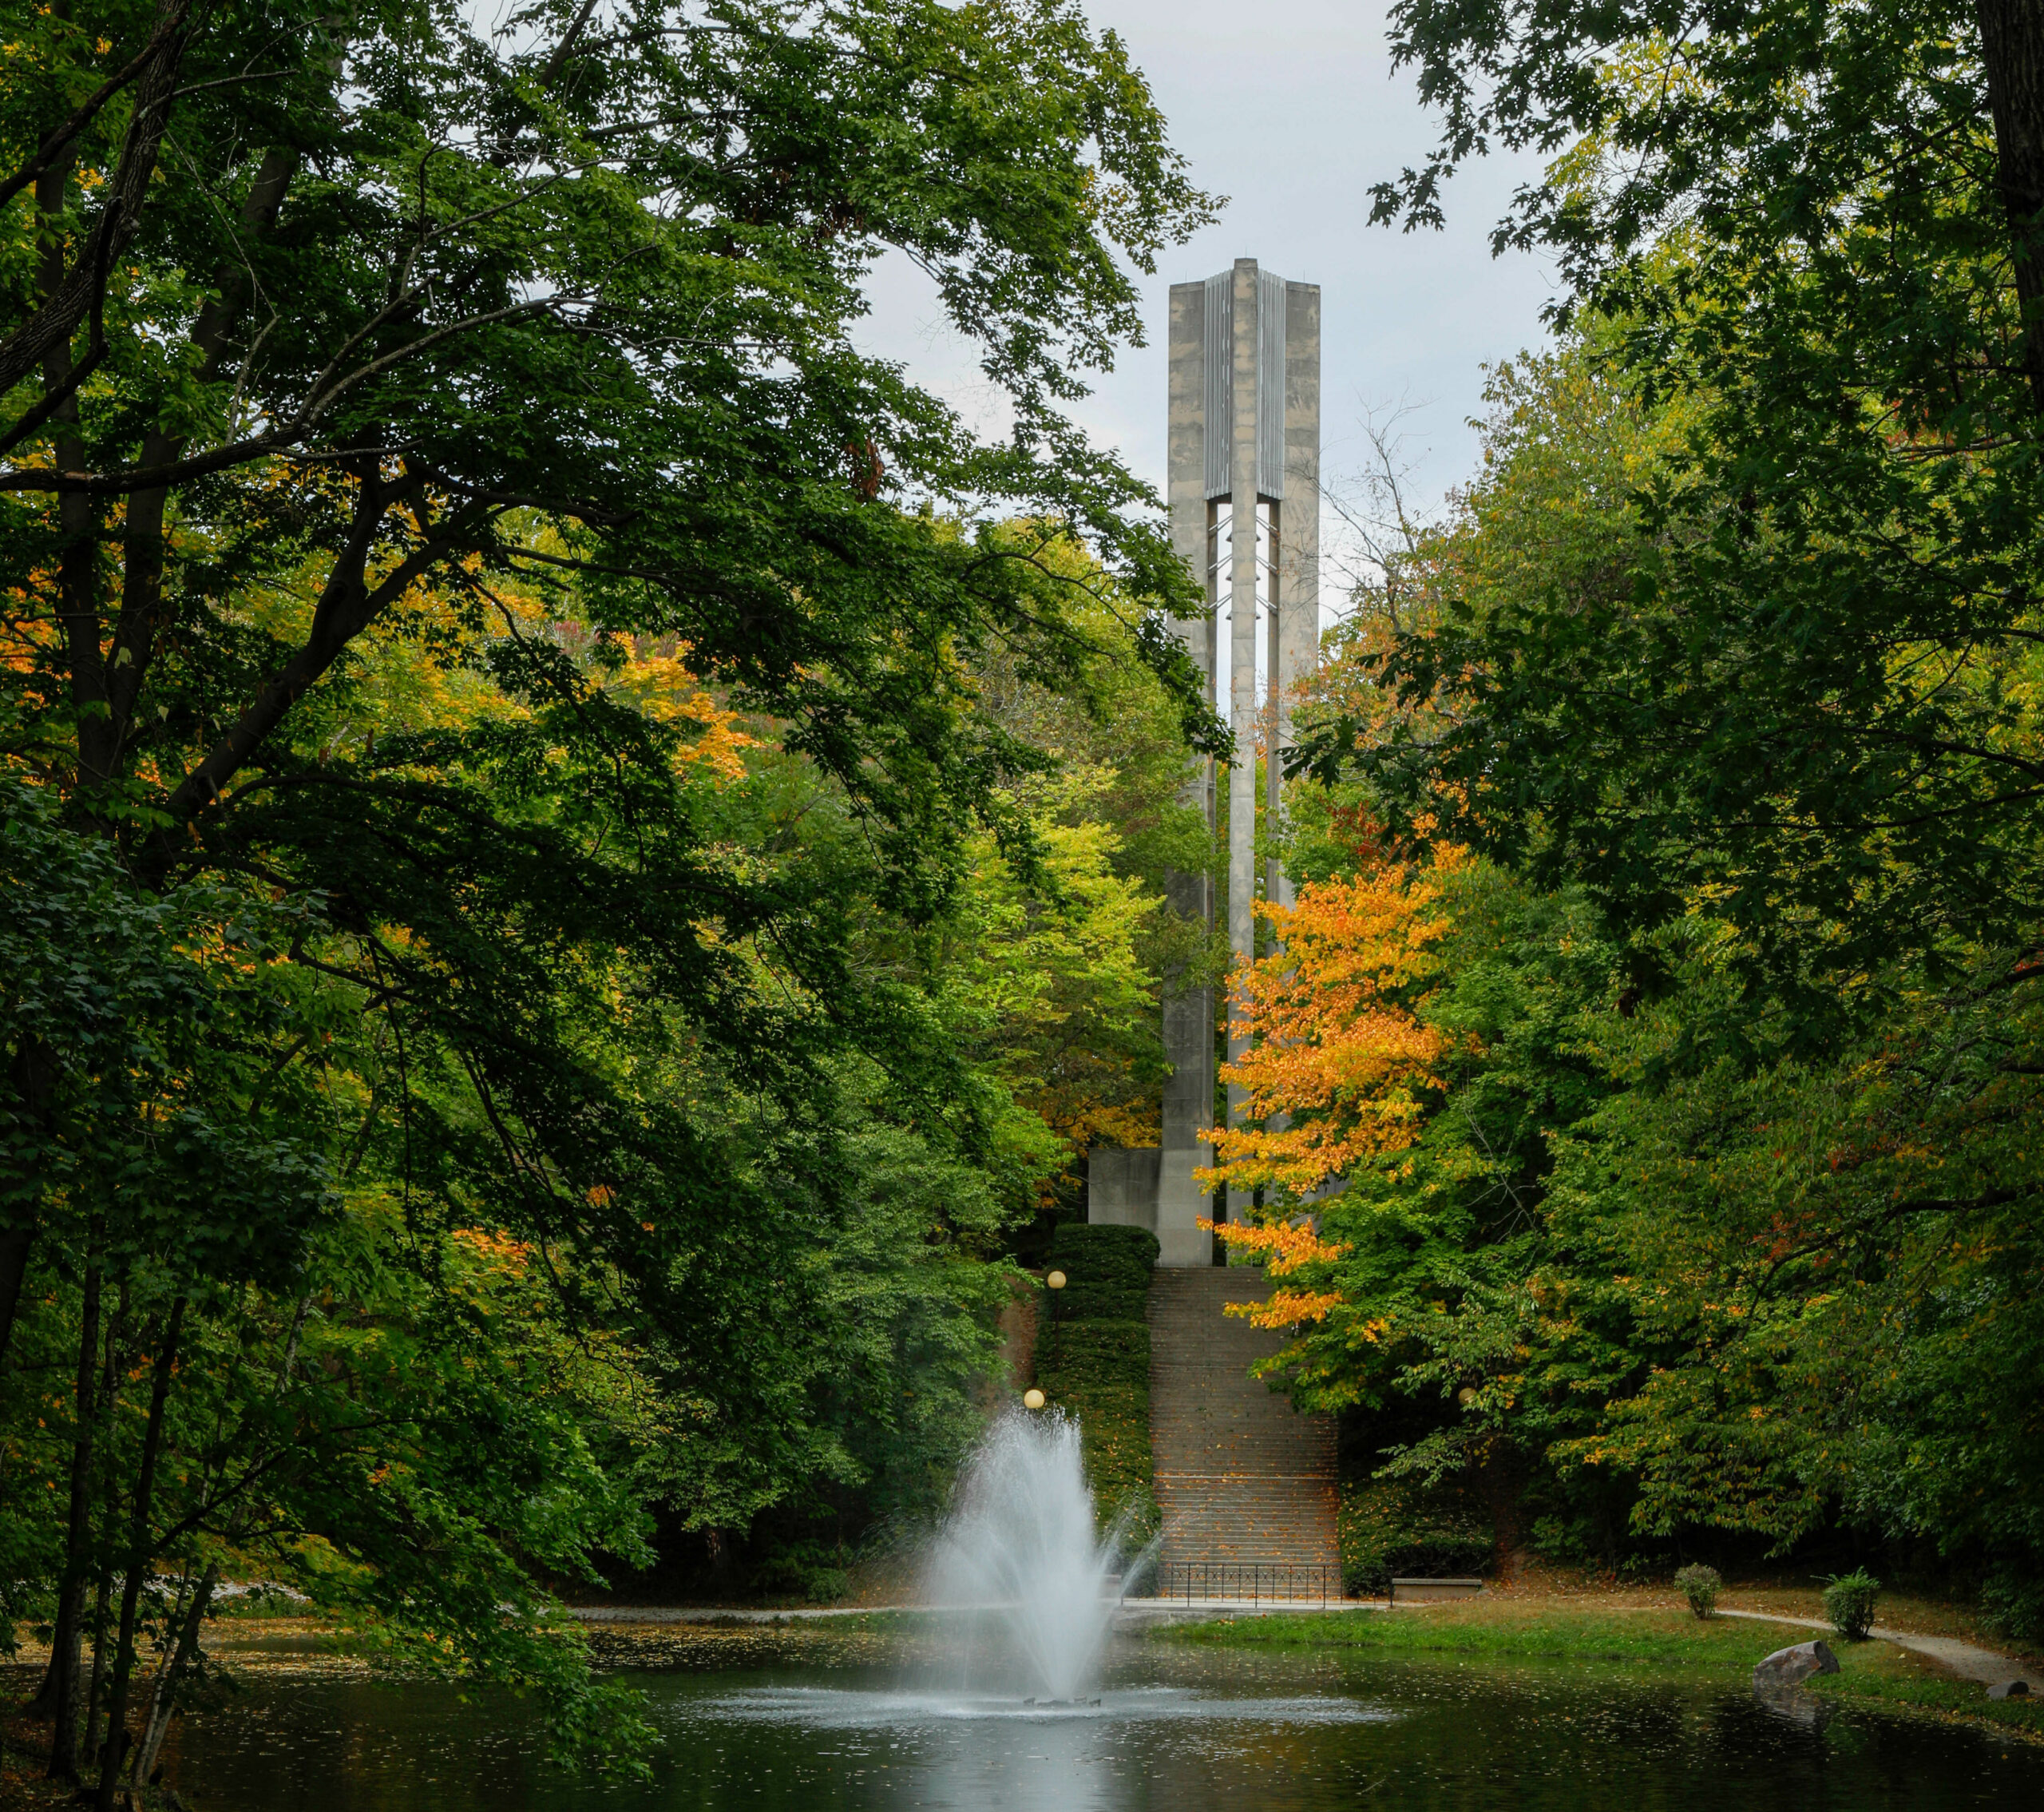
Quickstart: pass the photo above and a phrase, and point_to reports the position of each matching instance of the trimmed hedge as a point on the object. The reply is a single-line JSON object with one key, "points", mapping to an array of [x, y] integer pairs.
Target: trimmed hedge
{"points": [[1094, 1355], [1093, 1359], [1107, 1270]]}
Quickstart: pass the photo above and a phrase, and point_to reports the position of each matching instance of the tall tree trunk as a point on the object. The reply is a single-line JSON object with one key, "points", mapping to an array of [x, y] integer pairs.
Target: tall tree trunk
{"points": [[77, 557], [80, 288], [96, 1681], [16, 1243], [139, 1557], [163, 1692], [64, 1648], [1501, 1478], [2012, 45], [110, 1511], [35, 1088]]}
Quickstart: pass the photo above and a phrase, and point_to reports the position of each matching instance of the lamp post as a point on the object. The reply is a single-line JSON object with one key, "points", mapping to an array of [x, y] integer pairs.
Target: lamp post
{"points": [[1055, 1282]]}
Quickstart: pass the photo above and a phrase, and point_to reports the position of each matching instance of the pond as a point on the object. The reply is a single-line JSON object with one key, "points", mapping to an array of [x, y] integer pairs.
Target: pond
{"points": [[868, 1724]]}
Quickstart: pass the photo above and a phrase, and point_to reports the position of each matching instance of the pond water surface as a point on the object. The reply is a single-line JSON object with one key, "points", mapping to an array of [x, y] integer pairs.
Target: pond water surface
{"points": [[854, 1727]]}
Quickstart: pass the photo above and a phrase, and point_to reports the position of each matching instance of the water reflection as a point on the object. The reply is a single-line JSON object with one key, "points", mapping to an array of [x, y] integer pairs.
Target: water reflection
{"points": [[959, 1749], [1174, 1731]]}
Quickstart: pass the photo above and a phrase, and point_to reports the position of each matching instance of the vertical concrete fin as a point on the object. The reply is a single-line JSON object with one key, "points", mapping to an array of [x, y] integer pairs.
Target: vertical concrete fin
{"points": [[1243, 701], [1270, 384], [1198, 436], [1297, 641], [1218, 370]]}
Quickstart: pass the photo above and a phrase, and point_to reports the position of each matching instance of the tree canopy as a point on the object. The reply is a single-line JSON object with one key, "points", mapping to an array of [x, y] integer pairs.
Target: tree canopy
{"points": [[1801, 238], [1698, 734], [549, 843]]}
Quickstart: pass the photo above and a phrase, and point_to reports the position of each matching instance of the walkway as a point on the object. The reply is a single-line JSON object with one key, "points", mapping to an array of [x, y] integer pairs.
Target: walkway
{"points": [[1240, 1476], [1968, 1660]]}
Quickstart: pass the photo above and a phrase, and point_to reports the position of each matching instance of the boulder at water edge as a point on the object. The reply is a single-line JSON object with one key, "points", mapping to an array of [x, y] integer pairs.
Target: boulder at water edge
{"points": [[1791, 1666]]}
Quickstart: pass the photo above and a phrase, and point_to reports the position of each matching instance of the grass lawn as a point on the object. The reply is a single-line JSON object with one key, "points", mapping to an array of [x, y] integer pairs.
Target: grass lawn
{"points": [[1502, 1626], [1880, 1676], [1873, 1675]]}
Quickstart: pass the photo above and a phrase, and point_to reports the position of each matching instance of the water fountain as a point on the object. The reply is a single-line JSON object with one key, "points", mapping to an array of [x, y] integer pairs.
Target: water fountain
{"points": [[1022, 1562], [1011, 1714]]}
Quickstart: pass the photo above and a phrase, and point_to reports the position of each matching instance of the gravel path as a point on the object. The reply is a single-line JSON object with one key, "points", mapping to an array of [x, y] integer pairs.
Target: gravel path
{"points": [[1967, 1659]]}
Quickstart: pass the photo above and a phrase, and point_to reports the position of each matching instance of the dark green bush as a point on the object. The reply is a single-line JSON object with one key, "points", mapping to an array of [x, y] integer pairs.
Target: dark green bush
{"points": [[1088, 1353], [2014, 1605], [1391, 1530], [1135, 1248], [812, 1572], [1700, 1585], [1107, 1271], [1093, 1357]]}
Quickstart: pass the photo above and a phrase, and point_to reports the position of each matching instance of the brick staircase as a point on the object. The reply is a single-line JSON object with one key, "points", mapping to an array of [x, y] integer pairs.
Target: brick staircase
{"points": [[1240, 1476]]}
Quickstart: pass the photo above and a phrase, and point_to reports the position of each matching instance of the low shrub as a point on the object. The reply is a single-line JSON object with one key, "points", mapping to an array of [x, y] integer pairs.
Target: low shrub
{"points": [[1390, 1530], [1700, 1585], [2012, 1603], [810, 1572], [1849, 1600], [1093, 1352]]}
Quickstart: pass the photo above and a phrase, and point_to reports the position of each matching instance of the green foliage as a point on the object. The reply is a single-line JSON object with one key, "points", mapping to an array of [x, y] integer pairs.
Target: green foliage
{"points": [[1495, 1627], [1880, 1678], [517, 953], [810, 1572], [1107, 1271], [2012, 1600], [1472, 1333], [1849, 1600], [1389, 1529], [1874, 1676], [1797, 697], [1093, 1361], [1079, 929], [1758, 1254], [1700, 1585], [1093, 1354]]}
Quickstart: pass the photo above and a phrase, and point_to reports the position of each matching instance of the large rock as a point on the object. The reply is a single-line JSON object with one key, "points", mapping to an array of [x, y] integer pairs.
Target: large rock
{"points": [[1791, 1666], [2009, 1689]]}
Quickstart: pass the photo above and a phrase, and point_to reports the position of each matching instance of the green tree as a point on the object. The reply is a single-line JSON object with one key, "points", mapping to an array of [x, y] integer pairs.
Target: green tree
{"points": [[1804, 704], [386, 403], [1765, 1268]]}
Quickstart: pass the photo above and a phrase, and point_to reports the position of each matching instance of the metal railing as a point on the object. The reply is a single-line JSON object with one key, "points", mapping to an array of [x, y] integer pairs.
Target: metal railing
{"points": [[1251, 1582]]}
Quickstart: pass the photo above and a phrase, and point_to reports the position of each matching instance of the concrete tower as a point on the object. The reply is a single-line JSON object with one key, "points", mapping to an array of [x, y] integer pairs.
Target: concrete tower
{"points": [[1244, 490]]}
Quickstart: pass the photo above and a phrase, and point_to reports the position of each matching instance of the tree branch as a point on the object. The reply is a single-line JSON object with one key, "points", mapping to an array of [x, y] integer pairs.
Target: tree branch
{"points": [[345, 609], [52, 324], [46, 153]]}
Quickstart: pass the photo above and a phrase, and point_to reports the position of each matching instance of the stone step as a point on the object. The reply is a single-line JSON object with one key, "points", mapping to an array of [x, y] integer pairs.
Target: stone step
{"points": [[1242, 1479]]}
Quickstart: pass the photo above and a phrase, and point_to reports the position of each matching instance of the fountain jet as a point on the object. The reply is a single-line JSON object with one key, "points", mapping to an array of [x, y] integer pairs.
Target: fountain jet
{"points": [[1020, 1555]]}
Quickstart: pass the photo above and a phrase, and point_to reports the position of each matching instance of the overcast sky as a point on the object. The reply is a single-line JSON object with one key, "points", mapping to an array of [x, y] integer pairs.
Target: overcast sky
{"points": [[1290, 108]]}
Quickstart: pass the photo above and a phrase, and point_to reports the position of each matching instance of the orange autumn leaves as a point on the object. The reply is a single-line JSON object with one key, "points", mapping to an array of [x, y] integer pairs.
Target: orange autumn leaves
{"points": [[1283, 1249], [1342, 1069], [1340, 1062]]}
